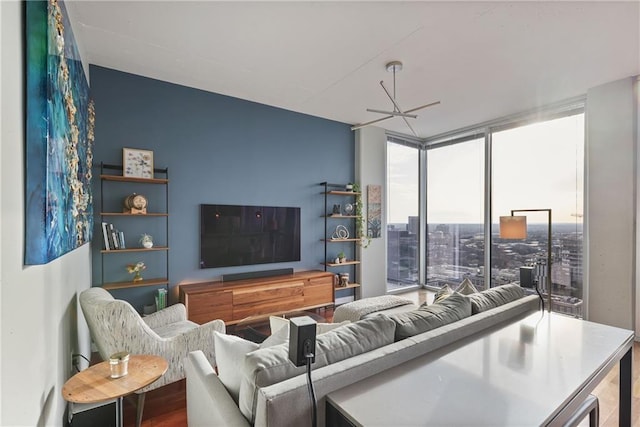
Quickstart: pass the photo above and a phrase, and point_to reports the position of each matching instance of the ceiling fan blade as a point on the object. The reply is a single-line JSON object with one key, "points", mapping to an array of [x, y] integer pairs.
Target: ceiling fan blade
{"points": [[362, 125], [393, 113], [409, 125], [395, 104], [422, 106]]}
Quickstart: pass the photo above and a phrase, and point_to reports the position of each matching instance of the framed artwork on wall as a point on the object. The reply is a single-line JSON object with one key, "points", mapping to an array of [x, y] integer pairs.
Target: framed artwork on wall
{"points": [[374, 211], [137, 163], [59, 137]]}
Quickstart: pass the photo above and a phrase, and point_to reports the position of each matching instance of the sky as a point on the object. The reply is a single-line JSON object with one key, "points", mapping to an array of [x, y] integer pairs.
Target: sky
{"points": [[534, 166]]}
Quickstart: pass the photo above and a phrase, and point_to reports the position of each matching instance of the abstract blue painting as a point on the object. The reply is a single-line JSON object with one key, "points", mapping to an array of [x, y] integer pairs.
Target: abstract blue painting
{"points": [[59, 137]]}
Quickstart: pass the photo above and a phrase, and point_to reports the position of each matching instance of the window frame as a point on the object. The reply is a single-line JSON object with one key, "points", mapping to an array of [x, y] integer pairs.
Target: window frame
{"points": [[566, 108]]}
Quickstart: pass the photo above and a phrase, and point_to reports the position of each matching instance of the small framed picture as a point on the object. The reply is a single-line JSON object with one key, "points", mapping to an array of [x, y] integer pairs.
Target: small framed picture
{"points": [[137, 163]]}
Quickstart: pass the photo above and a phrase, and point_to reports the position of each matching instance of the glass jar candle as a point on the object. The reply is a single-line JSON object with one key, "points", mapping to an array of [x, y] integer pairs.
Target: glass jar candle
{"points": [[118, 362]]}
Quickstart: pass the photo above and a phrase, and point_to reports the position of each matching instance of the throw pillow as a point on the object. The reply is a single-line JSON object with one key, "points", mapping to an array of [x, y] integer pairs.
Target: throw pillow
{"points": [[466, 287], [453, 308], [277, 322], [230, 353], [271, 365], [495, 297], [442, 294]]}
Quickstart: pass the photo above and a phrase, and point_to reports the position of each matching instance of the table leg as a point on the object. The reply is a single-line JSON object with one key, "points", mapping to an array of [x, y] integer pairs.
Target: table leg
{"points": [[624, 417], [119, 412]]}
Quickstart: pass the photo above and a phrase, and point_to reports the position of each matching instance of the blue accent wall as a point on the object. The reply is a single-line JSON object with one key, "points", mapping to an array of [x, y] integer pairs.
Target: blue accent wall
{"points": [[219, 150]]}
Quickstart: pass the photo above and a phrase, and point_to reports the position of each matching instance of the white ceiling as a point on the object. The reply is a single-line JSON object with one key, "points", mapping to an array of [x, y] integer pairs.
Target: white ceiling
{"points": [[482, 60]]}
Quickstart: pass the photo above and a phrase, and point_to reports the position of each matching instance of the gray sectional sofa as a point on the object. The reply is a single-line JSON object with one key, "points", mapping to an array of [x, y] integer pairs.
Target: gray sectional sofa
{"points": [[274, 392]]}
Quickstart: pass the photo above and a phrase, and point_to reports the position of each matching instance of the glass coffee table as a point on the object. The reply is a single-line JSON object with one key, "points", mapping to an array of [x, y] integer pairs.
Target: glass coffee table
{"points": [[257, 329]]}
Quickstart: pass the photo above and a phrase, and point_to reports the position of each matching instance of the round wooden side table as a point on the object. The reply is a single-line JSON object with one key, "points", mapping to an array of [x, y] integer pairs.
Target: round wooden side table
{"points": [[94, 384]]}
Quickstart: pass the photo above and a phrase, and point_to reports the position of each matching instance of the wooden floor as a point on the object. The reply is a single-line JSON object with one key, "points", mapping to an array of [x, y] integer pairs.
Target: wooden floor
{"points": [[607, 393], [166, 406]]}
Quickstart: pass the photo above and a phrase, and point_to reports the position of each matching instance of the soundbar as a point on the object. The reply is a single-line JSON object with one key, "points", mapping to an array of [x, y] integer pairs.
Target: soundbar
{"points": [[257, 274]]}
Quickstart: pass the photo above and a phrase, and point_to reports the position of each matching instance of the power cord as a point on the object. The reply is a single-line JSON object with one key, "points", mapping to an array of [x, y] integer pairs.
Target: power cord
{"points": [[540, 295], [74, 361], [308, 354]]}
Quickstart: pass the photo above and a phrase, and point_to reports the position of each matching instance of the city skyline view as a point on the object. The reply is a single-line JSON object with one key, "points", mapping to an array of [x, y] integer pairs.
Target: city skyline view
{"points": [[537, 166]]}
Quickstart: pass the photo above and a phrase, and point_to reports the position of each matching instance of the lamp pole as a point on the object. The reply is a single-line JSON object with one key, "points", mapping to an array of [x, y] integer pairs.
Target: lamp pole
{"points": [[548, 248]]}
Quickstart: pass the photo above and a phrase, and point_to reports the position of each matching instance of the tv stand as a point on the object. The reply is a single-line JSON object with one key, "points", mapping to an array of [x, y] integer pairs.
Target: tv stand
{"points": [[235, 301]]}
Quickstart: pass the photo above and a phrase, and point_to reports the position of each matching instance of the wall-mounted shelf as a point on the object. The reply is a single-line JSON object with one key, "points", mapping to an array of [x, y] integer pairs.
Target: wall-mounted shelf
{"points": [[117, 251], [133, 215], [340, 192], [336, 194], [120, 178], [138, 284], [340, 264], [114, 188], [349, 286]]}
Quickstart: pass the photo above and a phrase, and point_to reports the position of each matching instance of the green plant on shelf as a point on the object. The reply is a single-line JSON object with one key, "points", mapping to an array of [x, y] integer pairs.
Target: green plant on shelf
{"points": [[361, 220]]}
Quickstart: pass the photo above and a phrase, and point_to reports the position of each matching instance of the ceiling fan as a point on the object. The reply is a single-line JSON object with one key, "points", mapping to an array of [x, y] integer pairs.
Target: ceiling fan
{"points": [[394, 66]]}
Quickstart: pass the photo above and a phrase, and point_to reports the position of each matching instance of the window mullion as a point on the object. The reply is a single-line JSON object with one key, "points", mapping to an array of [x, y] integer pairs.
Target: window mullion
{"points": [[487, 209], [423, 238]]}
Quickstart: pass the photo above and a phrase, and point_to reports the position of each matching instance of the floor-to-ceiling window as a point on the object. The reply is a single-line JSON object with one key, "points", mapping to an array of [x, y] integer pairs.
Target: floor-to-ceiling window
{"points": [[540, 166], [403, 202], [533, 162], [455, 213]]}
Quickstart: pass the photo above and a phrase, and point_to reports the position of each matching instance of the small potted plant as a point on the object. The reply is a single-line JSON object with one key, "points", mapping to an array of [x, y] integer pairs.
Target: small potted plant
{"points": [[342, 257], [146, 240]]}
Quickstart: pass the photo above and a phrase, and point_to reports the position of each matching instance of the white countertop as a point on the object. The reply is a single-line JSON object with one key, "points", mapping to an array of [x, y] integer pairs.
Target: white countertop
{"points": [[520, 375]]}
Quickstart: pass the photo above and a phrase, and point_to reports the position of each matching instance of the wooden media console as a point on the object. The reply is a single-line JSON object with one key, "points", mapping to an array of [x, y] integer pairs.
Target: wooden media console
{"points": [[238, 300]]}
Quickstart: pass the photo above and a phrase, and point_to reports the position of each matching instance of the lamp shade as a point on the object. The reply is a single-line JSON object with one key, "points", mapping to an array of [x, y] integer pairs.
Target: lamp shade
{"points": [[513, 227]]}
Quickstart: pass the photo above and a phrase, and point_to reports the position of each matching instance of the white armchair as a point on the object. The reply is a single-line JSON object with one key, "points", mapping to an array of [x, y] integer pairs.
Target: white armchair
{"points": [[116, 326]]}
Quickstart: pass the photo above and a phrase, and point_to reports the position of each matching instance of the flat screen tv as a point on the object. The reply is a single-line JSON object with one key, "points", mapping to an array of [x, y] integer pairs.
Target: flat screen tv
{"points": [[232, 235]]}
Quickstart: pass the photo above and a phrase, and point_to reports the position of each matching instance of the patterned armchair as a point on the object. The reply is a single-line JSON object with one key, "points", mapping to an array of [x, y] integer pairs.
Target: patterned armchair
{"points": [[116, 326]]}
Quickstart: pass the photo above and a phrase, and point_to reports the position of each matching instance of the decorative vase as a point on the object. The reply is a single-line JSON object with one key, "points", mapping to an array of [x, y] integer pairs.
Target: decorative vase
{"points": [[344, 279], [343, 260], [147, 241]]}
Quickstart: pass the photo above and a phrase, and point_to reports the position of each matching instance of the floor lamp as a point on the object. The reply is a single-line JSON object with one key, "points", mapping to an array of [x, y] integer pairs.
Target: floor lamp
{"points": [[515, 227]]}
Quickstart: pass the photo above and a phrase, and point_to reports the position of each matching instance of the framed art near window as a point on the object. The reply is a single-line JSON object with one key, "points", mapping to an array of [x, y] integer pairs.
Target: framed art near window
{"points": [[137, 163]]}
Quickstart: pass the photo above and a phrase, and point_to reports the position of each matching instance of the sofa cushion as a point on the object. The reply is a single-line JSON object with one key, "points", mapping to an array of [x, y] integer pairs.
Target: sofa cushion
{"points": [[494, 297], [394, 310], [356, 310], [271, 365], [280, 330], [174, 329], [432, 316], [277, 323]]}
